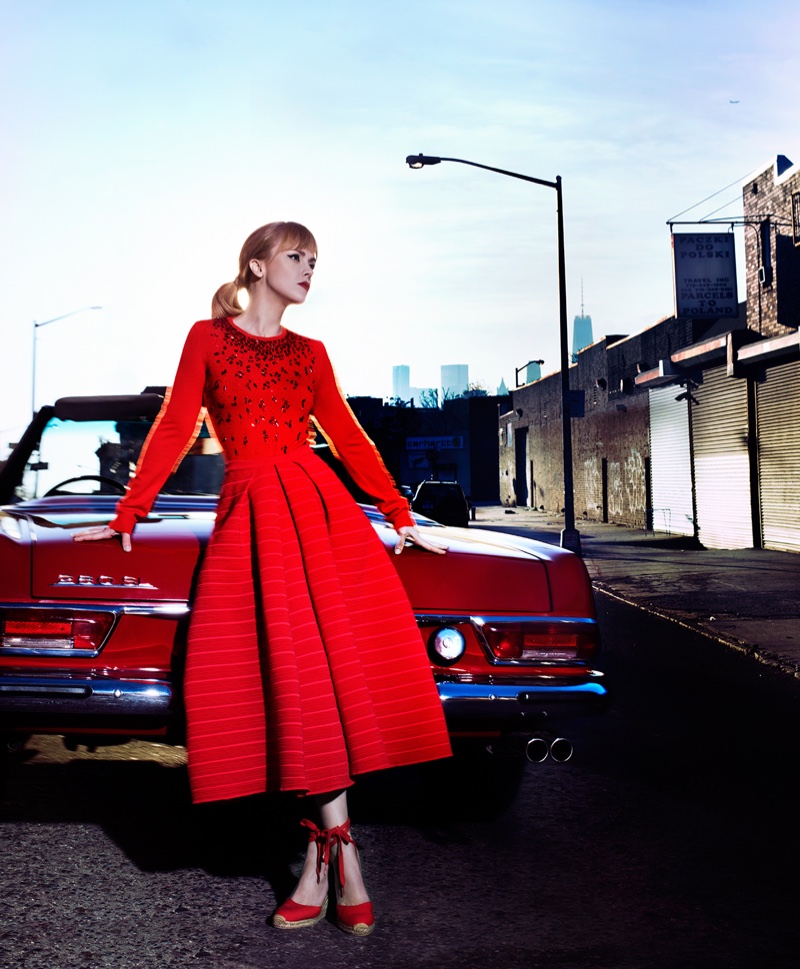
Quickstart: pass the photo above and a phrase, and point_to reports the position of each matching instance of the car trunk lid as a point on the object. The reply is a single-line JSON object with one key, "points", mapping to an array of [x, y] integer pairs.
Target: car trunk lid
{"points": [[161, 565], [477, 575]]}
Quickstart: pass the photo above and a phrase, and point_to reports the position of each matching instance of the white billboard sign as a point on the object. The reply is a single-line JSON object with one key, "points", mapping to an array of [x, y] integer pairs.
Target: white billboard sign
{"points": [[704, 267]]}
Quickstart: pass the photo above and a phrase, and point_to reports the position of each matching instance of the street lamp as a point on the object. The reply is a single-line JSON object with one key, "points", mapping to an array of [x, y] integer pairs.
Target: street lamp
{"points": [[36, 326], [570, 537], [526, 367]]}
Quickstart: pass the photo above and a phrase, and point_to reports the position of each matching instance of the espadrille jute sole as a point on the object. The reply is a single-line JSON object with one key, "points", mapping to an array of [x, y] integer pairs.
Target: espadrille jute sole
{"points": [[360, 929], [356, 919], [281, 922]]}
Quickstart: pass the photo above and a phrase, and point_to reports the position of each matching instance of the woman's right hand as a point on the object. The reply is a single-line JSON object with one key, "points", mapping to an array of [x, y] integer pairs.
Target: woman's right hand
{"points": [[100, 532]]}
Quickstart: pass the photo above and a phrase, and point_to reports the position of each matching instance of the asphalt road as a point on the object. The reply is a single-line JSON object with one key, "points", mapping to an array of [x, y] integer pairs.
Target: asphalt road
{"points": [[669, 841]]}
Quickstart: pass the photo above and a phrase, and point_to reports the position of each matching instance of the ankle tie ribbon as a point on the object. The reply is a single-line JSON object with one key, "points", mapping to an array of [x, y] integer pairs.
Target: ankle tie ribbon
{"points": [[325, 839]]}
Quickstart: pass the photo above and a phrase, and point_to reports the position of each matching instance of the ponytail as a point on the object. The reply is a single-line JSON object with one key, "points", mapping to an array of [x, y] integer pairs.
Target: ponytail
{"points": [[226, 301]]}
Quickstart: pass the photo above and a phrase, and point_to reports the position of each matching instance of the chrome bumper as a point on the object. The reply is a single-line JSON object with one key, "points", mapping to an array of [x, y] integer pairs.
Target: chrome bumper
{"points": [[71, 694], [507, 703]]}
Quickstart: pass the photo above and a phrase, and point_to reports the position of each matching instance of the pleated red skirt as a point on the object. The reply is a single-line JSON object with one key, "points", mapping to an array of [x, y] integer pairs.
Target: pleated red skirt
{"points": [[305, 666]]}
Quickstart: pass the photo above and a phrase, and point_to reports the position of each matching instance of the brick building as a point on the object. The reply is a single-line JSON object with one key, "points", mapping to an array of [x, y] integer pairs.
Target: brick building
{"points": [[772, 233], [611, 448]]}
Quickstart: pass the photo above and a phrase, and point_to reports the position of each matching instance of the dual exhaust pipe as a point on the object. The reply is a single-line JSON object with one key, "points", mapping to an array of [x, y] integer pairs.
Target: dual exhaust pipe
{"points": [[558, 749], [537, 748]]}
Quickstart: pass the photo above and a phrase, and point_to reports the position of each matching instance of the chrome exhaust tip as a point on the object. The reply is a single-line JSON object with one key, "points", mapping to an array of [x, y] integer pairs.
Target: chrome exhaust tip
{"points": [[537, 750], [561, 750]]}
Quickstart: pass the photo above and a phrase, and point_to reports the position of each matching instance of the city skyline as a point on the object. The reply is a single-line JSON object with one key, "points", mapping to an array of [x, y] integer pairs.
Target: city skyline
{"points": [[453, 382]]}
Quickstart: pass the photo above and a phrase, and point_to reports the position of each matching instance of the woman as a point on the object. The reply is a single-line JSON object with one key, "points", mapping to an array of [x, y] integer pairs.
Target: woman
{"points": [[285, 686]]}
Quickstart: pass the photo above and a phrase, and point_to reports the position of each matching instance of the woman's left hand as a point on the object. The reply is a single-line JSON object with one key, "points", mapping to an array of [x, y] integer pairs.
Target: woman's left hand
{"points": [[412, 534]]}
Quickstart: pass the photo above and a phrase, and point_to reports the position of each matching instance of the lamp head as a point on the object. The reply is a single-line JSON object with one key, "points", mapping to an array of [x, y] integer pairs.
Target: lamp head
{"points": [[419, 161]]}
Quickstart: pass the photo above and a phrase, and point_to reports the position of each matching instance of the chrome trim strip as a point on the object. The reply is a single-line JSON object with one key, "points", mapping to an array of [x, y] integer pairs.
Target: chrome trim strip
{"points": [[520, 692], [57, 605], [161, 609], [65, 653], [499, 703], [572, 620], [90, 695], [478, 621], [437, 619], [524, 678]]}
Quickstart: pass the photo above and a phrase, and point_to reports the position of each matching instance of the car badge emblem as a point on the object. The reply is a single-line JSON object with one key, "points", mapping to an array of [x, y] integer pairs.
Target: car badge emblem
{"points": [[103, 581]]}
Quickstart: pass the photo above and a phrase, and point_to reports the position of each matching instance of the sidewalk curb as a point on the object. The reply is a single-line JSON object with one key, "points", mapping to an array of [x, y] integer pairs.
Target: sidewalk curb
{"points": [[769, 660]]}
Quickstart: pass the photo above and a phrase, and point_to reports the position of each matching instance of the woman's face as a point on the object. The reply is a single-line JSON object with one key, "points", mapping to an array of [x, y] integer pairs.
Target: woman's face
{"points": [[288, 274]]}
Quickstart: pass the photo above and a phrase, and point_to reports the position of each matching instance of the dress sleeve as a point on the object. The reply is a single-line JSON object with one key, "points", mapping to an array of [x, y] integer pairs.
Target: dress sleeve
{"points": [[352, 446], [170, 437]]}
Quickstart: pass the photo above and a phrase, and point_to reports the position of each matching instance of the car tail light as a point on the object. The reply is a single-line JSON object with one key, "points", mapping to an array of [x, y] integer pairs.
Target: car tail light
{"points": [[43, 629], [538, 642]]}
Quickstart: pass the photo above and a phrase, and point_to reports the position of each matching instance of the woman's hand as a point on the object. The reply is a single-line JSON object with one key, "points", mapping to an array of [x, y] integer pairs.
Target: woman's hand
{"points": [[412, 534], [100, 532]]}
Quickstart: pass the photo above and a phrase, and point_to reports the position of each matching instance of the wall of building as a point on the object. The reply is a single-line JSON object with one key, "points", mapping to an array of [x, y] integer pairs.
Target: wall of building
{"points": [[610, 443], [773, 302], [531, 467]]}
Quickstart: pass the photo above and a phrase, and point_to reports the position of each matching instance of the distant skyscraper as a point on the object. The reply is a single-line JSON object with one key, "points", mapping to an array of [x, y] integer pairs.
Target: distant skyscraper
{"points": [[455, 379], [581, 331], [502, 390], [581, 334], [401, 380]]}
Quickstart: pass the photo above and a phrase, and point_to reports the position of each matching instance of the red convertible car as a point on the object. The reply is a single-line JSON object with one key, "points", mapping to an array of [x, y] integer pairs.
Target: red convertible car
{"points": [[91, 638]]}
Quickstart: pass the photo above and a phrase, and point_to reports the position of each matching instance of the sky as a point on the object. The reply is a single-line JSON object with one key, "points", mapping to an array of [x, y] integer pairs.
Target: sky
{"points": [[143, 141]]}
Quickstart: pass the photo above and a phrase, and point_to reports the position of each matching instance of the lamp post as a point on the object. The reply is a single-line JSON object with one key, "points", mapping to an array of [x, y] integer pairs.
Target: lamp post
{"points": [[570, 537], [36, 326]]}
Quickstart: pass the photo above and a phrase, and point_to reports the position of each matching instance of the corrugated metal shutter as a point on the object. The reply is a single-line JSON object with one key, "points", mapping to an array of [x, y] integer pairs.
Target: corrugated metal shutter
{"points": [[670, 462], [778, 415], [721, 461]]}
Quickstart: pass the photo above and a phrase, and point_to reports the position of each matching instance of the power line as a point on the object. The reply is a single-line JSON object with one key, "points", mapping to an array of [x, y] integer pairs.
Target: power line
{"points": [[737, 181], [723, 206]]}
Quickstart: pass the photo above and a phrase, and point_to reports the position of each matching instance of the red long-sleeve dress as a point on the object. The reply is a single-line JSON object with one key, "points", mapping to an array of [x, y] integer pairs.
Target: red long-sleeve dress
{"points": [[304, 666]]}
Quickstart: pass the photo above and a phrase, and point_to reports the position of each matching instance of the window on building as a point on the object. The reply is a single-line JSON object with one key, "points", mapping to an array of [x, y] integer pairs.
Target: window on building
{"points": [[765, 269], [796, 218]]}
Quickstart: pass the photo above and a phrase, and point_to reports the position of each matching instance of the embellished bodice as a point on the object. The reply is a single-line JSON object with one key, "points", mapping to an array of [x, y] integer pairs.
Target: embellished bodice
{"points": [[261, 394], [259, 391]]}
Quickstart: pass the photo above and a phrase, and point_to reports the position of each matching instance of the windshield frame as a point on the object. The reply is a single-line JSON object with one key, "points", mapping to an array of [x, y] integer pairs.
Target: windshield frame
{"points": [[117, 428]]}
